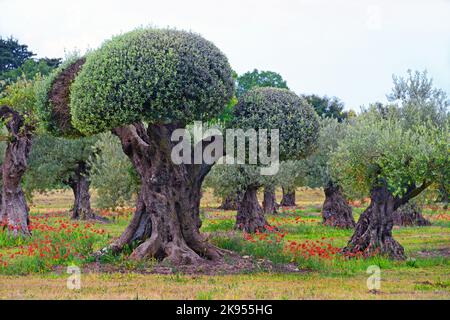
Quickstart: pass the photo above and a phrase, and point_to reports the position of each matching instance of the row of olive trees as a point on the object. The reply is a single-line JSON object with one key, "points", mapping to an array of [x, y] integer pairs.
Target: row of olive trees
{"points": [[143, 85], [390, 152], [47, 162]]}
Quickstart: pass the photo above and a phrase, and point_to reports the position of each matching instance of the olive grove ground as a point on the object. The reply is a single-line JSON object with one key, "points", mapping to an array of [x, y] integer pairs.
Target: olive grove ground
{"points": [[425, 275]]}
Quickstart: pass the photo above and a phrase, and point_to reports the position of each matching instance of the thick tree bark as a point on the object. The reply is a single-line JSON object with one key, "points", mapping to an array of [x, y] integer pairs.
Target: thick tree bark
{"points": [[167, 220], [270, 205], [14, 209], [409, 214], [138, 230], [231, 202], [373, 232], [250, 216], [336, 212], [82, 199], [288, 199]]}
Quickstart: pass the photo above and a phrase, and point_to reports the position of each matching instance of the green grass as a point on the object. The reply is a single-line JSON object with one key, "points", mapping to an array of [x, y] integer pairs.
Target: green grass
{"points": [[424, 275]]}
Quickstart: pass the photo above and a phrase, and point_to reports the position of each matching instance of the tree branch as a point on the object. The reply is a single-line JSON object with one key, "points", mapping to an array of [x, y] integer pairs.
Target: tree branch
{"points": [[412, 192], [132, 137]]}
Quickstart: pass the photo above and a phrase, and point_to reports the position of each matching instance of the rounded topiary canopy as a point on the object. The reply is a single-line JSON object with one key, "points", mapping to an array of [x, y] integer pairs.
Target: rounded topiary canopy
{"points": [[273, 108], [154, 75], [53, 98]]}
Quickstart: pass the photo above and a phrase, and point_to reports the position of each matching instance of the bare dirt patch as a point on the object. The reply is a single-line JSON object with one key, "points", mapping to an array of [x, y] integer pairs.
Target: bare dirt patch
{"points": [[444, 252], [231, 264]]}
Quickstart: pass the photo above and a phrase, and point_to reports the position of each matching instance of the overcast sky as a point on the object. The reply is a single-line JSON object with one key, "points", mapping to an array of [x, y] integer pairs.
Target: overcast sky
{"points": [[348, 49]]}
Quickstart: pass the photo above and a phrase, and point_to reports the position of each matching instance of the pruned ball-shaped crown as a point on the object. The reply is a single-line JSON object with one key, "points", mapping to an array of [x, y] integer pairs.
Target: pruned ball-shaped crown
{"points": [[53, 98], [154, 75], [273, 108]]}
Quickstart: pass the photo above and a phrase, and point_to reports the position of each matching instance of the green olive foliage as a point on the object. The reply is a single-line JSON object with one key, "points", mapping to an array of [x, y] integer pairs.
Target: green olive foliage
{"points": [[292, 174], [112, 174], [273, 108], [298, 125], [404, 143], [229, 180], [378, 148], [44, 105], [418, 101], [152, 75], [53, 161], [20, 96], [317, 166]]}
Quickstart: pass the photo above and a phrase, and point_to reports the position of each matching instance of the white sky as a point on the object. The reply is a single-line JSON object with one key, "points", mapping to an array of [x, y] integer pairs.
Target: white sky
{"points": [[348, 49]]}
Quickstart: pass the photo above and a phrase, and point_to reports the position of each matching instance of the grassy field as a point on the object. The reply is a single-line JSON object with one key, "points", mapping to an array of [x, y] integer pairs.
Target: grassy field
{"points": [[27, 268]]}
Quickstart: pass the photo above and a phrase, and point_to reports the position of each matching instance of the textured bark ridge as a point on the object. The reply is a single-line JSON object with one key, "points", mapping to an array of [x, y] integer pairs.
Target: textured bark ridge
{"points": [[270, 205], [231, 202], [14, 209], [288, 199], [336, 212], [82, 199], [166, 222], [139, 229], [409, 214], [250, 216], [373, 232]]}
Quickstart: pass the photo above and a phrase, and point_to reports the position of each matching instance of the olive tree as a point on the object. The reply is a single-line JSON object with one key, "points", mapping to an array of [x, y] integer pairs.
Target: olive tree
{"points": [[245, 82], [18, 118], [58, 162], [230, 181], [418, 101], [298, 125], [143, 85], [290, 177], [269, 203], [336, 211], [392, 163], [227, 184]]}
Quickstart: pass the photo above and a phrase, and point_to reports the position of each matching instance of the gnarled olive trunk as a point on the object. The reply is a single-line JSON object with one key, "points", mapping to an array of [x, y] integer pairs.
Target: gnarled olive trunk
{"points": [[82, 199], [167, 221], [250, 216], [14, 209], [409, 214], [231, 202], [336, 212], [270, 205], [373, 232], [138, 230], [288, 199]]}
